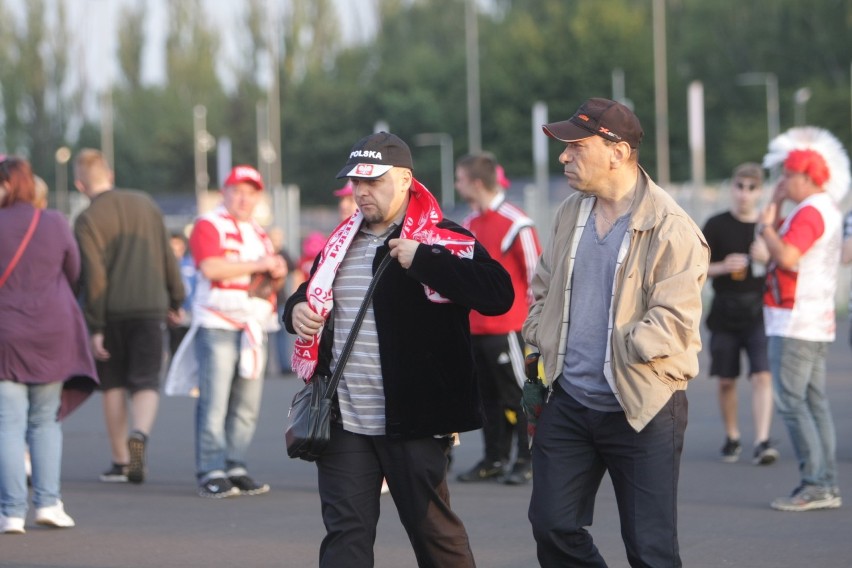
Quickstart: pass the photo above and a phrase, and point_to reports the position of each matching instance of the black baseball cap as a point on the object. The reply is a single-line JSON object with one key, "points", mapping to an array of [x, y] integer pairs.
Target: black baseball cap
{"points": [[602, 117], [373, 155]]}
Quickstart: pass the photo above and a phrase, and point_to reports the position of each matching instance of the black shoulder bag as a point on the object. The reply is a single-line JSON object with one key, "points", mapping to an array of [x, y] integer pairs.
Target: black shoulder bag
{"points": [[309, 420]]}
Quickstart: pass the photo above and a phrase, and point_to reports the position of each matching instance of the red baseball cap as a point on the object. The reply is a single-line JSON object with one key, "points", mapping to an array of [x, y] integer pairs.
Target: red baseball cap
{"points": [[245, 174], [344, 191]]}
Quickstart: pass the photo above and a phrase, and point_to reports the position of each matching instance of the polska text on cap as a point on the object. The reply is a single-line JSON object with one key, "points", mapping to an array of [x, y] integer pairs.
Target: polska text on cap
{"points": [[374, 155]]}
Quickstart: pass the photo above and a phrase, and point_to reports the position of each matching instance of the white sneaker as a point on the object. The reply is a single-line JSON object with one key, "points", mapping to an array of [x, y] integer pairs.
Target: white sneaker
{"points": [[54, 516], [11, 525]]}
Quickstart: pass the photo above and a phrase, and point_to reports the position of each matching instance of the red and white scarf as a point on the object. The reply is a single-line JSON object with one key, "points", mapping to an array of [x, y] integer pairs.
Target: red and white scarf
{"points": [[419, 224]]}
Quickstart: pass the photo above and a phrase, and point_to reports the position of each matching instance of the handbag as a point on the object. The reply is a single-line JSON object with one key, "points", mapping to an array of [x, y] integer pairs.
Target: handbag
{"points": [[22, 247], [308, 428]]}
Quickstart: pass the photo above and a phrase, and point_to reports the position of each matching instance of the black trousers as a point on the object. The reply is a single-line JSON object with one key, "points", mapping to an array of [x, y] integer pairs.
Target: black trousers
{"points": [[572, 449], [500, 368], [350, 475]]}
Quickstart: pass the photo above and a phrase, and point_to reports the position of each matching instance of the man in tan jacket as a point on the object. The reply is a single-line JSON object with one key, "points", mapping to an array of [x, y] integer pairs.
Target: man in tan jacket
{"points": [[619, 338]]}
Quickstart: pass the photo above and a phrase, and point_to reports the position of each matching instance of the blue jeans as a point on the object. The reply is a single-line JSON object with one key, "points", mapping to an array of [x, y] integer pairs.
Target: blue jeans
{"points": [[798, 377], [228, 406], [28, 416], [572, 449]]}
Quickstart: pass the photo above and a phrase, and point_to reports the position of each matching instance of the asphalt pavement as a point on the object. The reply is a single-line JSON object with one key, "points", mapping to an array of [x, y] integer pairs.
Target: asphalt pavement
{"points": [[725, 518]]}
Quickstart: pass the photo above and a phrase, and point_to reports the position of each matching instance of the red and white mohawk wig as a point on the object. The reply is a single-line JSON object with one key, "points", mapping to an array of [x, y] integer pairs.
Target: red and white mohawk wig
{"points": [[815, 152]]}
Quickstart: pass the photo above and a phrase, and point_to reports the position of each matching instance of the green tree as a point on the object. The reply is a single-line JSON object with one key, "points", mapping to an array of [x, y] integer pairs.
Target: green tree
{"points": [[310, 37], [803, 44], [240, 120], [154, 124], [10, 88], [411, 76], [33, 78], [131, 43], [192, 51]]}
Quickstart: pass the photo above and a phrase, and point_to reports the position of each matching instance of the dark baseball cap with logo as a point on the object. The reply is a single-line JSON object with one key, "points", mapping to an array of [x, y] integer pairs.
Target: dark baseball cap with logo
{"points": [[601, 117], [373, 155]]}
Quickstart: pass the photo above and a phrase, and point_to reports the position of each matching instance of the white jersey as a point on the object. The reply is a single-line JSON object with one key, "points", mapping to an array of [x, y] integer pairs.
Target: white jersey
{"points": [[799, 303], [220, 304]]}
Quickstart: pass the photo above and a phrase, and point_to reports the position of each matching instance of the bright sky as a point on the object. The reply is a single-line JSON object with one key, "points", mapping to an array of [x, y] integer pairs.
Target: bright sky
{"points": [[94, 25]]}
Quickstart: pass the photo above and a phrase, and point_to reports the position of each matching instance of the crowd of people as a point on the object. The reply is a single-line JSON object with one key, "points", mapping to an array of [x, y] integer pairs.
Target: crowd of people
{"points": [[613, 304]]}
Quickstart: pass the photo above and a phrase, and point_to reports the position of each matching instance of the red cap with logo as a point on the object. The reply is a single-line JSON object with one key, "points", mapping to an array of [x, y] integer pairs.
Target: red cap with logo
{"points": [[344, 191], [245, 174]]}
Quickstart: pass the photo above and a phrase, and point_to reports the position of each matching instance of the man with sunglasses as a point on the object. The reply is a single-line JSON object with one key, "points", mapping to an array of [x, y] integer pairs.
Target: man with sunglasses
{"points": [[736, 315]]}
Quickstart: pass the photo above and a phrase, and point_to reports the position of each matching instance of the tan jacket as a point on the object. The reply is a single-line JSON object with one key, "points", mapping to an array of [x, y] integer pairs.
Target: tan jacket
{"points": [[656, 299]]}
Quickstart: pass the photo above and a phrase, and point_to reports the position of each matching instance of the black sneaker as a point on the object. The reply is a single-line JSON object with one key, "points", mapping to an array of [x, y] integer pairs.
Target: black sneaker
{"points": [[765, 454], [248, 486], [217, 488], [731, 450], [483, 471], [521, 473], [136, 445], [116, 474]]}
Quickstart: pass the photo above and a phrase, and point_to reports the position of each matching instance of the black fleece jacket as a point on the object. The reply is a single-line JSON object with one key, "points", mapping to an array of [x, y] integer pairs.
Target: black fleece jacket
{"points": [[427, 363]]}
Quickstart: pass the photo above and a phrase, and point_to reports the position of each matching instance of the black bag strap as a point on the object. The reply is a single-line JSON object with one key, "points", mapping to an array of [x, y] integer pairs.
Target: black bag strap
{"points": [[359, 318]]}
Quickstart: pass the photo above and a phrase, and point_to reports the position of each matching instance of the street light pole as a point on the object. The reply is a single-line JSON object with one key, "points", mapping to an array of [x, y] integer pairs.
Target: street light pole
{"points": [[661, 96], [273, 113], [445, 141], [770, 82], [203, 143], [107, 136], [800, 100], [537, 201], [63, 155], [474, 126]]}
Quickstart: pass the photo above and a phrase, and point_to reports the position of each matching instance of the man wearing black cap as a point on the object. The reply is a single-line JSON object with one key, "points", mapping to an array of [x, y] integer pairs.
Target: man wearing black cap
{"points": [[410, 383], [619, 337]]}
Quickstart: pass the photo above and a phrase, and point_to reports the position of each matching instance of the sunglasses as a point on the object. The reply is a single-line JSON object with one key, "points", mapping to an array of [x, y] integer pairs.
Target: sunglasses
{"points": [[746, 186]]}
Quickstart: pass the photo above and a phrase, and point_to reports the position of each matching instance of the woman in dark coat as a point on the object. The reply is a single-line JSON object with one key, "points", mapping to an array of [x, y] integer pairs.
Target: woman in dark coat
{"points": [[46, 369]]}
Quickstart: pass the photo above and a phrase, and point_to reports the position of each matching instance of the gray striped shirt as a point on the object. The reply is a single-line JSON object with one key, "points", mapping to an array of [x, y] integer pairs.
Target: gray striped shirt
{"points": [[361, 389]]}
